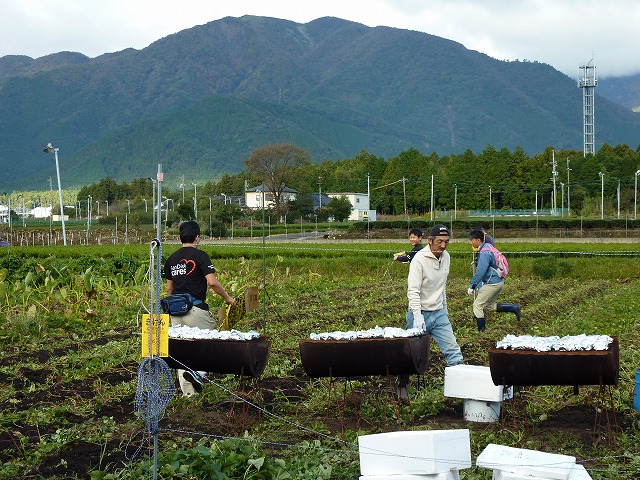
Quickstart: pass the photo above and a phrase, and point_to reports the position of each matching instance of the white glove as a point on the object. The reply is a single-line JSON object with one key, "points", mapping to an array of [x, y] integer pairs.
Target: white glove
{"points": [[418, 322], [470, 291]]}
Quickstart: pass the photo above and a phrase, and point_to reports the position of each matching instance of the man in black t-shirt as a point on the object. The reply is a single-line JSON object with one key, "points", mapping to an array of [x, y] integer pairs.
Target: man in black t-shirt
{"points": [[189, 270], [415, 238]]}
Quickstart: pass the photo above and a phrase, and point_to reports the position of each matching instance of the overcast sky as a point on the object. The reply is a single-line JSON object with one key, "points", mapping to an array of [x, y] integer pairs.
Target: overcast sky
{"points": [[562, 33]]}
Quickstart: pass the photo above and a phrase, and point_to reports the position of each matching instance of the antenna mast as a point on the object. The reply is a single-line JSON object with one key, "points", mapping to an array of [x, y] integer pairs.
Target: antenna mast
{"points": [[588, 80]]}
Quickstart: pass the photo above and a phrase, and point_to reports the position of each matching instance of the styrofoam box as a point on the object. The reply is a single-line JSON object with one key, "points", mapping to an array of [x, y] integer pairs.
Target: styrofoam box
{"points": [[526, 462], [474, 382], [500, 475], [435, 476], [578, 472], [481, 411], [414, 452]]}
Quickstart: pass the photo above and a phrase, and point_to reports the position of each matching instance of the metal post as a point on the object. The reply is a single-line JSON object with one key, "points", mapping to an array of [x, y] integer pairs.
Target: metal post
{"points": [[10, 223], [601, 195], [618, 199], [568, 196], [489, 200], [153, 201], [158, 181], [195, 201], [89, 211], [368, 202], [431, 203], [50, 149], [455, 201], [635, 198], [404, 194]]}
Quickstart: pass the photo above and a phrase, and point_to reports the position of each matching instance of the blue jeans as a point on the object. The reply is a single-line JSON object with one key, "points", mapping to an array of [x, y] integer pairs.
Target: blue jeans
{"points": [[438, 326]]}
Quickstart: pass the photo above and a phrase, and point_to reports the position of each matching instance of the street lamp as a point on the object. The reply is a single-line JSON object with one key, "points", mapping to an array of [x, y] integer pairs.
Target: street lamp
{"points": [[225, 197], [50, 149], [22, 196], [89, 213], [601, 195]]}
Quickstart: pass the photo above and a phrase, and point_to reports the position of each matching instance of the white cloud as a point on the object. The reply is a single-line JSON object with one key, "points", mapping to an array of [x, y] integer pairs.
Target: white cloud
{"points": [[563, 34]]}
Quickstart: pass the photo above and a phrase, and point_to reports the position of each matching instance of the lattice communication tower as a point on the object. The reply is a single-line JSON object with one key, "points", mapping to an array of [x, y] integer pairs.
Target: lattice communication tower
{"points": [[588, 80]]}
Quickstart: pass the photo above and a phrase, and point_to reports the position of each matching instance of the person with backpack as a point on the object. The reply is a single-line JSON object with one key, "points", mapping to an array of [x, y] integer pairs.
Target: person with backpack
{"points": [[488, 280]]}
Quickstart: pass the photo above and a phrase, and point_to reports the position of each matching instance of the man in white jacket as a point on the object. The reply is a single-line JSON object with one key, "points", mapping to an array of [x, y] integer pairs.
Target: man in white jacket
{"points": [[428, 272]]}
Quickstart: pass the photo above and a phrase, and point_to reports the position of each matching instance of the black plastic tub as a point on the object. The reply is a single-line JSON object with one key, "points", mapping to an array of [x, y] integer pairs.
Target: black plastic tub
{"points": [[365, 356], [237, 357], [532, 368]]}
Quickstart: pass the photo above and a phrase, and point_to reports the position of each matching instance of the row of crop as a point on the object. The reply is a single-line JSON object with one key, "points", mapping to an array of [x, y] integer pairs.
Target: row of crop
{"points": [[502, 223]]}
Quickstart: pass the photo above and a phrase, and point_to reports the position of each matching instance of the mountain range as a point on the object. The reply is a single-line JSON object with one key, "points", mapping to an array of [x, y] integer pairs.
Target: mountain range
{"points": [[199, 101]]}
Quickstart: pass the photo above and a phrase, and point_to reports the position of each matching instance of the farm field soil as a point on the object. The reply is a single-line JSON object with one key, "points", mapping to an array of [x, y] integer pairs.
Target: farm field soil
{"points": [[69, 365], [228, 417]]}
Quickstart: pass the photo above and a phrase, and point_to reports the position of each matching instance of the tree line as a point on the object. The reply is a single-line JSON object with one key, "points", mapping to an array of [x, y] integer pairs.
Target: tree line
{"points": [[490, 180]]}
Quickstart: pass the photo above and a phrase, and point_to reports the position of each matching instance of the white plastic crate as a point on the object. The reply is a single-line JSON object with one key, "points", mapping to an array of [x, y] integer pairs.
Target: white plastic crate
{"points": [[473, 382], [435, 476], [540, 465], [414, 452], [578, 472], [481, 411]]}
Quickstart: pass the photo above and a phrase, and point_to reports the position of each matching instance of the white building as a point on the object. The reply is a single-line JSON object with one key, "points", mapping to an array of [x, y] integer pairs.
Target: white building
{"points": [[253, 197], [4, 214], [41, 212], [361, 210]]}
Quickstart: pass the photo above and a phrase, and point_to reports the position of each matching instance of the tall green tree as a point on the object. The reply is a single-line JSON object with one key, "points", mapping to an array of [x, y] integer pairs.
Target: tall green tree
{"points": [[340, 208]]}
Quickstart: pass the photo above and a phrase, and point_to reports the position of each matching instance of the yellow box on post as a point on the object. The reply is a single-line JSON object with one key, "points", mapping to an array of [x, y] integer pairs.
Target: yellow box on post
{"points": [[163, 350]]}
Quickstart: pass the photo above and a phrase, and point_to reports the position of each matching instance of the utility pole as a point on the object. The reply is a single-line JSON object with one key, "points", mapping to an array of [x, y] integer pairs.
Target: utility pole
{"points": [[195, 201], [455, 201], [431, 204], [369, 202], [618, 199], [554, 175], [601, 195], [568, 196], [635, 196]]}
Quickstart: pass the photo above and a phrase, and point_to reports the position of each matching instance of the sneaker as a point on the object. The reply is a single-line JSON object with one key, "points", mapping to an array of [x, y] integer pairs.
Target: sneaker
{"points": [[195, 380]]}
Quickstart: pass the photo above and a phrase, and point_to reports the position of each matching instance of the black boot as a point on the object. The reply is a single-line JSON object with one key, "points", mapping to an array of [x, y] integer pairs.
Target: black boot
{"points": [[482, 323], [510, 308]]}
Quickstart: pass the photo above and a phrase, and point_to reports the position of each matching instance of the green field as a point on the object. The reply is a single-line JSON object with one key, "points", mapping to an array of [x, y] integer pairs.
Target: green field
{"points": [[69, 333]]}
